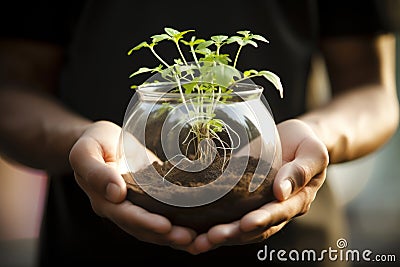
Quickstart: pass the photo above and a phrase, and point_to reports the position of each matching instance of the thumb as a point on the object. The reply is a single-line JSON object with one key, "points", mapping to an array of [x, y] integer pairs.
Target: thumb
{"points": [[93, 174], [311, 159]]}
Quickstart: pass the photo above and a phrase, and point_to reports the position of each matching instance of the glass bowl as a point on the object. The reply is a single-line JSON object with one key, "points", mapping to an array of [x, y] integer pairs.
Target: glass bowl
{"points": [[199, 159]]}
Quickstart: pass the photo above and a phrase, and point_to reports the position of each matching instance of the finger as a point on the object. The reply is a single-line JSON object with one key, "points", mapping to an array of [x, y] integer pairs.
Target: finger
{"points": [[274, 213], [238, 237], [231, 234], [258, 235], [311, 158], [144, 225], [180, 237], [131, 218], [200, 245], [219, 234], [87, 160]]}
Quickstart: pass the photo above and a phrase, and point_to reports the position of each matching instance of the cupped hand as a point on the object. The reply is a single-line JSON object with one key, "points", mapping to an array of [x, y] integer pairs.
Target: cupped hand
{"points": [[305, 160], [93, 159]]}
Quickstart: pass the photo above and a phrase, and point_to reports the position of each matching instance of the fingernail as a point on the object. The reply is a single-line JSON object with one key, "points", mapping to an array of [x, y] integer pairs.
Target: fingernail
{"points": [[113, 192], [286, 187]]}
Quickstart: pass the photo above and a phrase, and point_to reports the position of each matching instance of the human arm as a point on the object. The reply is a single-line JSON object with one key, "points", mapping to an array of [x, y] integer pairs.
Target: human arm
{"points": [[36, 130], [32, 122], [364, 111], [361, 117]]}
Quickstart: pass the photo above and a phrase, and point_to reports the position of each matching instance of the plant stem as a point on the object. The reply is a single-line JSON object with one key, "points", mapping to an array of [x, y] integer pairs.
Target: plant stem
{"points": [[194, 56], [181, 92], [237, 56], [180, 53], [158, 57]]}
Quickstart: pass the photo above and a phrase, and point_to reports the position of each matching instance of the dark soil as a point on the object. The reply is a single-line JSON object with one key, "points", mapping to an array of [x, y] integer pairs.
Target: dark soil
{"points": [[232, 206]]}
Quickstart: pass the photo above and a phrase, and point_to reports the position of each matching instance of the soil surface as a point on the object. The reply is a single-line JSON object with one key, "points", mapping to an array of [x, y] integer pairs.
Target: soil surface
{"points": [[232, 206]]}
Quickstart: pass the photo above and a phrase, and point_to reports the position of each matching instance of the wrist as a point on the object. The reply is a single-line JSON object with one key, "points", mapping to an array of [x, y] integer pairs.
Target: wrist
{"points": [[320, 130], [60, 140], [336, 141]]}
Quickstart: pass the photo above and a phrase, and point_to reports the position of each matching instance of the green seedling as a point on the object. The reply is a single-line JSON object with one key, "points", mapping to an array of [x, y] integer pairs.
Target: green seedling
{"points": [[208, 79]]}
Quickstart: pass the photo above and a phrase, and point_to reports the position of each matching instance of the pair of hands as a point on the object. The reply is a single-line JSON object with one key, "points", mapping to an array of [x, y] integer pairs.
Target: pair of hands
{"points": [[305, 159]]}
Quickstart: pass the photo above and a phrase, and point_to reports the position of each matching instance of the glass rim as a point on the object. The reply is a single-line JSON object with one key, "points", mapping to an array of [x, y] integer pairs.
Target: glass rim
{"points": [[150, 90]]}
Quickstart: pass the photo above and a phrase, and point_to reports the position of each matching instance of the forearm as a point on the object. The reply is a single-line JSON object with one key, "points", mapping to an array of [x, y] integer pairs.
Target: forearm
{"points": [[355, 123], [37, 131], [364, 111]]}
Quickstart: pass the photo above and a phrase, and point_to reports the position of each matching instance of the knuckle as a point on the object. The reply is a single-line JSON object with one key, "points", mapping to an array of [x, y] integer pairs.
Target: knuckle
{"points": [[325, 157], [306, 208], [307, 197], [272, 230], [265, 235], [323, 153], [302, 174], [310, 196]]}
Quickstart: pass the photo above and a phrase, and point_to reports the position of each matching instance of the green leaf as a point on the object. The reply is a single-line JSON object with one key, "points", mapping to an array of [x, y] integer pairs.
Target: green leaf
{"points": [[145, 69], [160, 37], [227, 95], [212, 57], [203, 45], [139, 46], [186, 43], [219, 38], [181, 34], [140, 71], [250, 42], [171, 32], [216, 125], [274, 79], [168, 73], [204, 51], [234, 39], [197, 41], [248, 73], [189, 87], [259, 38], [244, 33], [178, 61], [176, 35], [193, 41], [224, 74]]}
